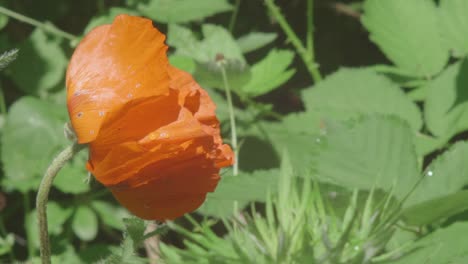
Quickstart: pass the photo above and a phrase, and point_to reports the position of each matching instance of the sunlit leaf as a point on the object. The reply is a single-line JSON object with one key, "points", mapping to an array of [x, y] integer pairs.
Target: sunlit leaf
{"points": [[270, 73], [438, 194], [408, 33], [454, 25], [72, 177], [109, 214], [351, 93], [32, 136], [217, 45], [85, 223], [182, 11], [376, 152], [238, 191], [445, 245], [255, 40], [446, 107], [40, 65]]}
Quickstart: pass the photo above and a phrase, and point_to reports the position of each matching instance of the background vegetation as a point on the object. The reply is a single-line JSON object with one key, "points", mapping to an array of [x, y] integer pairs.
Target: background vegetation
{"points": [[351, 121]]}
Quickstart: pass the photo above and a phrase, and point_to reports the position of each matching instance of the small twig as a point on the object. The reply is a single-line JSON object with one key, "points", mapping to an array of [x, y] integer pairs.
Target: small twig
{"points": [[36, 23], [346, 10], [43, 195], [310, 26], [232, 117], [235, 12]]}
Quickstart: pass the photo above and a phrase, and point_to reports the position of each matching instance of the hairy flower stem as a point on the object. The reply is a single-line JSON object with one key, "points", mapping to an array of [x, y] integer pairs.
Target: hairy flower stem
{"points": [[307, 54], [46, 27], [43, 194], [232, 118]]}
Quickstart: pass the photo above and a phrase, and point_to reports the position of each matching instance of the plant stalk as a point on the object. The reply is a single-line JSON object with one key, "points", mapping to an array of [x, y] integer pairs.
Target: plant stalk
{"points": [[43, 194], [306, 55], [27, 225], [232, 119], [232, 22], [46, 27]]}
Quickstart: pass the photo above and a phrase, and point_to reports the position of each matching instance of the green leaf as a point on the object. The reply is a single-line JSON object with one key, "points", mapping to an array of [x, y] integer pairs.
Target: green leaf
{"points": [[418, 94], [235, 192], [210, 75], [182, 62], [41, 64], [85, 223], [430, 211], [107, 17], [408, 33], [96, 252], [32, 136], [135, 229], [255, 40], [263, 142], [182, 11], [6, 243], [309, 122], [454, 25], [110, 215], [133, 237], [3, 21], [183, 39], [217, 42], [350, 93], [374, 152], [270, 73], [57, 216], [445, 245], [447, 174], [426, 144], [72, 177], [446, 107]]}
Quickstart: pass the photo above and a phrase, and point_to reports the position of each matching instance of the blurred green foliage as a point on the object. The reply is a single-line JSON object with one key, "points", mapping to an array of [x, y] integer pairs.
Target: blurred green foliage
{"points": [[364, 166]]}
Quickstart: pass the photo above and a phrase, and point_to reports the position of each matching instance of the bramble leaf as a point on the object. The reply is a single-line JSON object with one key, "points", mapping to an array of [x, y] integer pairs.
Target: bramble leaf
{"points": [[351, 93], [255, 40], [270, 73], [41, 65], [454, 25], [85, 223], [182, 11], [408, 33]]}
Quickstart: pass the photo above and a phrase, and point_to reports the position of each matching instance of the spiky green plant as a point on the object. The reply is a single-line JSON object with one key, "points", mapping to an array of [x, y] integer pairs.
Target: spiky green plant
{"points": [[298, 225]]}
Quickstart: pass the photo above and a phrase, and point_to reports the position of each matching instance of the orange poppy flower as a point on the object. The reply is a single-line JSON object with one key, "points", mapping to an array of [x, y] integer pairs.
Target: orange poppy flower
{"points": [[153, 136]]}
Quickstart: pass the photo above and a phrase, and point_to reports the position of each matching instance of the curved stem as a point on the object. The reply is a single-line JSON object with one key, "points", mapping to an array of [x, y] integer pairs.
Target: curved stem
{"points": [[232, 119], [36, 23], [43, 194]]}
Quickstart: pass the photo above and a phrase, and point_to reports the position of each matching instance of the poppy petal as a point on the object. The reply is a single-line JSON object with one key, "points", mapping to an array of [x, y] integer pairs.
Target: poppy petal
{"points": [[112, 65], [153, 135]]}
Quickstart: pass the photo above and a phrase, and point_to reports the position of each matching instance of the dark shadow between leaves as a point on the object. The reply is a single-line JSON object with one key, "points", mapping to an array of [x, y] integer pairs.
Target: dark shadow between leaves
{"points": [[257, 154], [461, 89]]}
